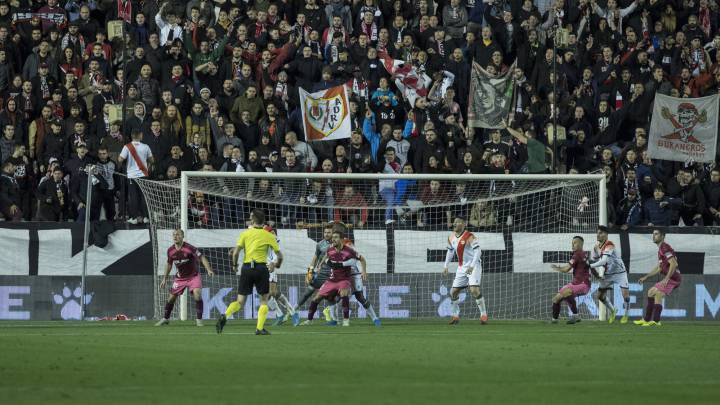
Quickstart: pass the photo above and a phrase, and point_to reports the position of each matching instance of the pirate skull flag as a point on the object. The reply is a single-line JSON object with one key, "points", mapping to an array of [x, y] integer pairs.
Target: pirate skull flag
{"points": [[326, 114], [684, 129], [490, 97]]}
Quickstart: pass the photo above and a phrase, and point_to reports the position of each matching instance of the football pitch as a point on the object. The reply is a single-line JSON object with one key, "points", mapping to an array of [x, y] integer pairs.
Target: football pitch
{"points": [[417, 362]]}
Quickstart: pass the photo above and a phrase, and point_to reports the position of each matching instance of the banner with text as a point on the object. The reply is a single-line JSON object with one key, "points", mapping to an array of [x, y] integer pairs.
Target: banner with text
{"points": [[684, 129]]}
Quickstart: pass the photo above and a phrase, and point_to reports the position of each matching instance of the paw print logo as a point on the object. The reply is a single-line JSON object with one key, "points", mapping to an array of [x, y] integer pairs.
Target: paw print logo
{"points": [[70, 301], [442, 297]]}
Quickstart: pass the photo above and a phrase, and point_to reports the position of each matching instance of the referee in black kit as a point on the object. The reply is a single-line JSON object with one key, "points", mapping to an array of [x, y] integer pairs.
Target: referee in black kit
{"points": [[254, 273]]}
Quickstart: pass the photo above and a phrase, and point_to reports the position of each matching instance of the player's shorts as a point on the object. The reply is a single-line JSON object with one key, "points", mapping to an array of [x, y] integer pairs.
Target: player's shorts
{"points": [[577, 289], [463, 280], [273, 277], [180, 284], [669, 287], [258, 277], [619, 279], [330, 287], [320, 278], [357, 283]]}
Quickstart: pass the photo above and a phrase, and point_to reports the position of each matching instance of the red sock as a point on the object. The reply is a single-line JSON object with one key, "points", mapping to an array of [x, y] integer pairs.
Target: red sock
{"points": [[311, 311], [572, 304], [346, 307], [556, 310], [199, 309], [656, 312], [168, 309], [649, 309]]}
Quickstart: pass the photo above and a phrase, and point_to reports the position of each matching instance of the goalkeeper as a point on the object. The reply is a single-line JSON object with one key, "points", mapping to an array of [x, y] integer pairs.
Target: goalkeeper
{"points": [[605, 254]]}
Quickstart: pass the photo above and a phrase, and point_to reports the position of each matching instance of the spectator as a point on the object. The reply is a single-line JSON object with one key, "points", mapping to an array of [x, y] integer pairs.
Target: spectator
{"points": [[10, 199], [303, 152], [690, 194], [354, 209], [138, 157], [53, 198], [660, 210], [712, 197], [629, 211]]}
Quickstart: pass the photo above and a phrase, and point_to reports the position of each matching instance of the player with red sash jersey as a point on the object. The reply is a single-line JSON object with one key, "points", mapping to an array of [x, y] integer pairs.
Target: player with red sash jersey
{"points": [[667, 266], [580, 284], [184, 257], [469, 271]]}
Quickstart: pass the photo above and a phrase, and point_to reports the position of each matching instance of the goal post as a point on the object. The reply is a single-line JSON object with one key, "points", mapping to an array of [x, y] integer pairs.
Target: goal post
{"points": [[400, 223]]}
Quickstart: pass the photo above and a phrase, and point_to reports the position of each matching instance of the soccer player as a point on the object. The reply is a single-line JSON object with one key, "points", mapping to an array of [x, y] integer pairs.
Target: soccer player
{"points": [[359, 275], [185, 257], [340, 258], [255, 271], [319, 272], [580, 284], [604, 254], [668, 266], [469, 272], [277, 300]]}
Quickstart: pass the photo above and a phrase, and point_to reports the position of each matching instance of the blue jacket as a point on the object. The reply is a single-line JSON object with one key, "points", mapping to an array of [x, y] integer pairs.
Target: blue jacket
{"points": [[405, 190], [372, 136], [379, 93], [656, 215]]}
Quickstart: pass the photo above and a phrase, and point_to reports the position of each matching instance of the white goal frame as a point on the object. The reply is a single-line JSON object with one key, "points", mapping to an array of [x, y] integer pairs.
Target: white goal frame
{"points": [[186, 175]]}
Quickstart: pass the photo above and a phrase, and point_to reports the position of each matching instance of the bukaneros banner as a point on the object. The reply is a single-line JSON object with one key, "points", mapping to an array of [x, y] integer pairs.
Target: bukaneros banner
{"points": [[490, 97], [684, 129], [326, 114]]}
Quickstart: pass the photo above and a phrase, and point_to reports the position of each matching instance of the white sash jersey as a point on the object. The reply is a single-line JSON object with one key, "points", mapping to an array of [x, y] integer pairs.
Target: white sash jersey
{"points": [[463, 252], [614, 263]]}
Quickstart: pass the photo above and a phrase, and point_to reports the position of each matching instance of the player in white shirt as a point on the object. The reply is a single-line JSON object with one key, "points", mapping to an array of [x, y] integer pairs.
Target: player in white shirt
{"points": [[469, 272], [278, 301], [605, 254], [139, 159]]}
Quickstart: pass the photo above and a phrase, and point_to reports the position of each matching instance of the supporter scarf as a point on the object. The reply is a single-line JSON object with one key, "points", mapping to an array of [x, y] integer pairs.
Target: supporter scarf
{"points": [[259, 28], [44, 87], [370, 30], [704, 20], [124, 10]]}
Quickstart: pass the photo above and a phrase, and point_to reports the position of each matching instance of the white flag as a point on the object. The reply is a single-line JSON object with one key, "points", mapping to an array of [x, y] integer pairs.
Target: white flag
{"points": [[684, 129], [326, 114]]}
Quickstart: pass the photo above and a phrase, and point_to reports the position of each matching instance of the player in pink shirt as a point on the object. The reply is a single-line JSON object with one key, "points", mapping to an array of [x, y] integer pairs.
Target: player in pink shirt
{"points": [[667, 266], [341, 258], [580, 284], [184, 257]]}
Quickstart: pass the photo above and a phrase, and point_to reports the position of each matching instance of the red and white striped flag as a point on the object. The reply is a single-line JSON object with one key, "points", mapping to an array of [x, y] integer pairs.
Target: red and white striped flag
{"points": [[409, 82]]}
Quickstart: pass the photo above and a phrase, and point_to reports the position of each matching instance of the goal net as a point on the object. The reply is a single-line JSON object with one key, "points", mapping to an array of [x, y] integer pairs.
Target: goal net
{"points": [[401, 225]]}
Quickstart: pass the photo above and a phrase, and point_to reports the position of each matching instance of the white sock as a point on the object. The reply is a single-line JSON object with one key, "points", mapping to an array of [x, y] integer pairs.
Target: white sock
{"points": [[371, 311], [481, 305], [608, 304], [273, 306], [455, 308], [331, 310], [283, 301]]}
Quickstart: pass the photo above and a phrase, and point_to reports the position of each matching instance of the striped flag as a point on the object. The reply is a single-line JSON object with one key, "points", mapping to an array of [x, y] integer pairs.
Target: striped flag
{"points": [[411, 83]]}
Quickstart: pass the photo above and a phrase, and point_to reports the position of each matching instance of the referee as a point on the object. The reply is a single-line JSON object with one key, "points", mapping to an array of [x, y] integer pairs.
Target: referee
{"points": [[254, 273]]}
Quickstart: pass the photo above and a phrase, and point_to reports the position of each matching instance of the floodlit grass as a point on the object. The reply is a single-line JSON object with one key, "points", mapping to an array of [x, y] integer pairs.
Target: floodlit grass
{"points": [[424, 362]]}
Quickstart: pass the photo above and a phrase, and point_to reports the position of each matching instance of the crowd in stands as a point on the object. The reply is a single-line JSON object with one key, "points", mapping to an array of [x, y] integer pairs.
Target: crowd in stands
{"points": [[213, 85]]}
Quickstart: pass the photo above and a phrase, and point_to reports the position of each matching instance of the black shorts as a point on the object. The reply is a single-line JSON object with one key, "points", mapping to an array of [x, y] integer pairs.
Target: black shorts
{"points": [[258, 277]]}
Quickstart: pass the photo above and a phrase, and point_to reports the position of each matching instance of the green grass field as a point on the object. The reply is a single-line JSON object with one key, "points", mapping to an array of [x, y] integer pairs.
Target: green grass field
{"points": [[400, 363]]}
